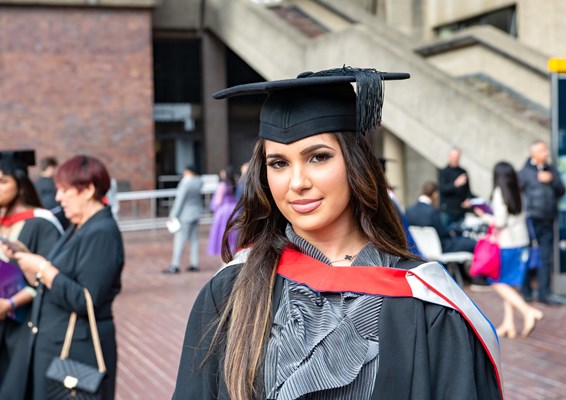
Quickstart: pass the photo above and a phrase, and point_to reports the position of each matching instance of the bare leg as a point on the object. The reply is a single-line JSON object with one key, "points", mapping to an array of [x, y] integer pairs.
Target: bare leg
{"points": [[514, 299], [507, 327]]}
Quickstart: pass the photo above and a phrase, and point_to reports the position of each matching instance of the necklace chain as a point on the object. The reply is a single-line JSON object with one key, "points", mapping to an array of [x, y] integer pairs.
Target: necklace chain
{"points": [[347, 257]]}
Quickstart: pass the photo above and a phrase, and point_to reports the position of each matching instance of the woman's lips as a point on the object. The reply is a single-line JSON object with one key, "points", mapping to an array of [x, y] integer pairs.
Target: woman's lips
{"points": [[305, 206]]}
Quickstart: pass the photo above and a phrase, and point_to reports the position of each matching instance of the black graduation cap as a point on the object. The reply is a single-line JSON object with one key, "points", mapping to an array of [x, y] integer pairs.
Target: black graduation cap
{"points": [[12, 160], [317, 102]]}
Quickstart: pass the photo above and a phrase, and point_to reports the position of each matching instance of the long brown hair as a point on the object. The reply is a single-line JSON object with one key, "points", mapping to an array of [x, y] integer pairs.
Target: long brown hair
{"points": [[244, 325], [26, 195], [505, 177]]}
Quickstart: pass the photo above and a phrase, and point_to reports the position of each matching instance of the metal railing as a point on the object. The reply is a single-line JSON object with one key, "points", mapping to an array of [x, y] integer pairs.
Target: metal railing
{"points": [[149, 209]]}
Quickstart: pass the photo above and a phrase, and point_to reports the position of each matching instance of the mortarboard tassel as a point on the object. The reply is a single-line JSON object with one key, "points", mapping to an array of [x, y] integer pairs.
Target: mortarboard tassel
{"points": [[369, 91]]}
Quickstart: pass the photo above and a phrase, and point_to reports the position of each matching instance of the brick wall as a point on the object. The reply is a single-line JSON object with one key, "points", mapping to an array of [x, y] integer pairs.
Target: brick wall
{"points": [[78, 80]]}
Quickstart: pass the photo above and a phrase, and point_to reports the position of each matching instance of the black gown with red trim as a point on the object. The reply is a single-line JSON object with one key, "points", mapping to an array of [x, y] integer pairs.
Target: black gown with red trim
{"points": [[427, 351], [39, 233]]}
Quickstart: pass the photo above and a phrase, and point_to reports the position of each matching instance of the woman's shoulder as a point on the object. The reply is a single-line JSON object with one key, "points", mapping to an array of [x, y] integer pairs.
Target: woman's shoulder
{"points": [[225, 276], [496, 195], [39, 235], [101, 221], [44, 221], [219, 287], [409, 263]]}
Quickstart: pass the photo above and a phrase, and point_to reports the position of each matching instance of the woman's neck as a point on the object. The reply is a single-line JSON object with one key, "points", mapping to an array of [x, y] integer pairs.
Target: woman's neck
{"points": [[341, 247], [16, 208], [91, 209]]}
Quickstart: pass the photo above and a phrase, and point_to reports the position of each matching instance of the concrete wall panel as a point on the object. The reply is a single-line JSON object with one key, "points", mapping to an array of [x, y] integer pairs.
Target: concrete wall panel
{"points": [[481, 60]]}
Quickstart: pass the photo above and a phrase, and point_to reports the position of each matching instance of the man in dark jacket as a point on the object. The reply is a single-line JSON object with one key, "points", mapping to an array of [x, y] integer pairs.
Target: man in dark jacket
{"points": [[423, 213], [542, 188], [454, 189], [46, 189]]}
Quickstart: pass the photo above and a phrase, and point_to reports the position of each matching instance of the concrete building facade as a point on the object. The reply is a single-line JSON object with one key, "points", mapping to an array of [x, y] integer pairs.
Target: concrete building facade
{"points": [[86, 76]]}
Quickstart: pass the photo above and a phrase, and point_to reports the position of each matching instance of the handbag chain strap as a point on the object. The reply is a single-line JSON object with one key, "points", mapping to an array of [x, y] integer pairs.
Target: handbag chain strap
{"points": [[93, 331]]}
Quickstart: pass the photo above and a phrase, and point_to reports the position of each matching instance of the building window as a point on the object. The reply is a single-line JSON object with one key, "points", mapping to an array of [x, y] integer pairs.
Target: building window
{"points": [[176, 70], [503, 18]]}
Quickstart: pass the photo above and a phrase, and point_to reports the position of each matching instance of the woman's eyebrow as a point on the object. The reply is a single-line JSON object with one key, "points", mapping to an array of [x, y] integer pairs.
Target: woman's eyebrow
{"points": [[308, 150], [315, 147]]}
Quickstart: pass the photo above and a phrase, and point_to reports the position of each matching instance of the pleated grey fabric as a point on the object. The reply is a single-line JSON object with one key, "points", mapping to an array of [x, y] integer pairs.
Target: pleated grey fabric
{"points": [[324, 345]]}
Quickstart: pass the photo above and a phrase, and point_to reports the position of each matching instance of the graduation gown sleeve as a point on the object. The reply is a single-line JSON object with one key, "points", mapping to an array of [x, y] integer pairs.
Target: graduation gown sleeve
{"points": [[429, 352], [39, 235], [193, 380]]}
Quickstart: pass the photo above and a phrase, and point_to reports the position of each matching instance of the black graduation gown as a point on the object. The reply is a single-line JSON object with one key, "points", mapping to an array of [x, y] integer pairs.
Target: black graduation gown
{"points": [[427, 351], [39, 235], [91, 257]]}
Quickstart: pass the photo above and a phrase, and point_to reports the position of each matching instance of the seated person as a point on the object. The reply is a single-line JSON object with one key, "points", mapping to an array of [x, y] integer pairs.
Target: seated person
{"points": [[413, 248], [423, 213]]}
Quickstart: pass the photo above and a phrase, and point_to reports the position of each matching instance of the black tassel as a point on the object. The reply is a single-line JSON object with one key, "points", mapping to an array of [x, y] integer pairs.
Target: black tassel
{"points": [[369, 91]]}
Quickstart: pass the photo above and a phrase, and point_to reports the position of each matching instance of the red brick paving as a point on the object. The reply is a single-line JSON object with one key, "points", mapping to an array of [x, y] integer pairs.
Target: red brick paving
{"points": [[152, 310]]}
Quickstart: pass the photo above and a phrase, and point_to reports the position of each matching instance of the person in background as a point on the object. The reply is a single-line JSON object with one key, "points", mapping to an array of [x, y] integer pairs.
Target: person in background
{"points": [[111, 198], [424, 213], [187, 209], [240, 186], [90, 255], [510, 229], [222, 205], [412, 245], [454, 190], [22, 221], [46, 189], [316, 304], [542, 187]]}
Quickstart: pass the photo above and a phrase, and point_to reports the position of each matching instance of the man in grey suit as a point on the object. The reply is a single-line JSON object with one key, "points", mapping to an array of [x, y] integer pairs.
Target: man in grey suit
{"points": [[187, 209]]}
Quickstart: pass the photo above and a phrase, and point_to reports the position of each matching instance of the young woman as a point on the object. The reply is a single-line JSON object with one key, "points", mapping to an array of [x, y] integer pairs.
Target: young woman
{"points": [[512, 236], [90, 255], [222, 204], [319, 304], [21, 220]]}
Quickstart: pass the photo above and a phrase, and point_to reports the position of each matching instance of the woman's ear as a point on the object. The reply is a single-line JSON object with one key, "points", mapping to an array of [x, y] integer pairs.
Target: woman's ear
{"points": [[89, 191]]}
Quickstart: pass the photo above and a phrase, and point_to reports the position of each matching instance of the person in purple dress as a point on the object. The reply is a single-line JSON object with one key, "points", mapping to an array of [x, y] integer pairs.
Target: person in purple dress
{"points": [[222, 205]]}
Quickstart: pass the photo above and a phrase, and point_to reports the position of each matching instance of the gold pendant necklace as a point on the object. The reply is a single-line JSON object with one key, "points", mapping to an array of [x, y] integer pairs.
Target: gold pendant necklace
{"points": [[347, 257]]}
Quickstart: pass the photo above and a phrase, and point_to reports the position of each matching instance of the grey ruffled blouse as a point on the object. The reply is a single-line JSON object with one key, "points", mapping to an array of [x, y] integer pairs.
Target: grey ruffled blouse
{"points": [[324, 345]]}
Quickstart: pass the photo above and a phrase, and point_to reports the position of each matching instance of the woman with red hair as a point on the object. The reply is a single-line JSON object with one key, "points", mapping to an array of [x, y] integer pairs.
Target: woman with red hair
{"points": [[90, 255]]}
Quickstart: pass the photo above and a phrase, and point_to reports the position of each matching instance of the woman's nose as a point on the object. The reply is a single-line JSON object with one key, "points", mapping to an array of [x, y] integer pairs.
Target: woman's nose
{"points": [[299, 179], [58, 195]]}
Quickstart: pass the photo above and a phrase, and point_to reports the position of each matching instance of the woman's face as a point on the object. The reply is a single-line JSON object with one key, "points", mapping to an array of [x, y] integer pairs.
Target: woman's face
{"points": [[309, 184], [8, 189], [73, 201]]}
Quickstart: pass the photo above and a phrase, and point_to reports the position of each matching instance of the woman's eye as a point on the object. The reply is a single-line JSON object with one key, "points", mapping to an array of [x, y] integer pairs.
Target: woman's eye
{"points": [[321, 157], [276, 164]]}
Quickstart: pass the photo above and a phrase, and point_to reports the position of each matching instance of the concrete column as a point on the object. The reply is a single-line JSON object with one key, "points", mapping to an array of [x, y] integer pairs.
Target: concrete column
{"points": [[393, 150], [418, 170], [215, 112]]}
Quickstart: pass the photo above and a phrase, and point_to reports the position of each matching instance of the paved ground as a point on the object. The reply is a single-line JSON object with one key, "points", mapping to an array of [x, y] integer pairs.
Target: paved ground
{"points": [[151, 313]]}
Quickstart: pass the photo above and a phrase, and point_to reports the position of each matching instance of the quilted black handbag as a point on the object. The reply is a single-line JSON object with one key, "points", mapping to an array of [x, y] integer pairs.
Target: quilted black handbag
{"points": [[69, 379]]}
